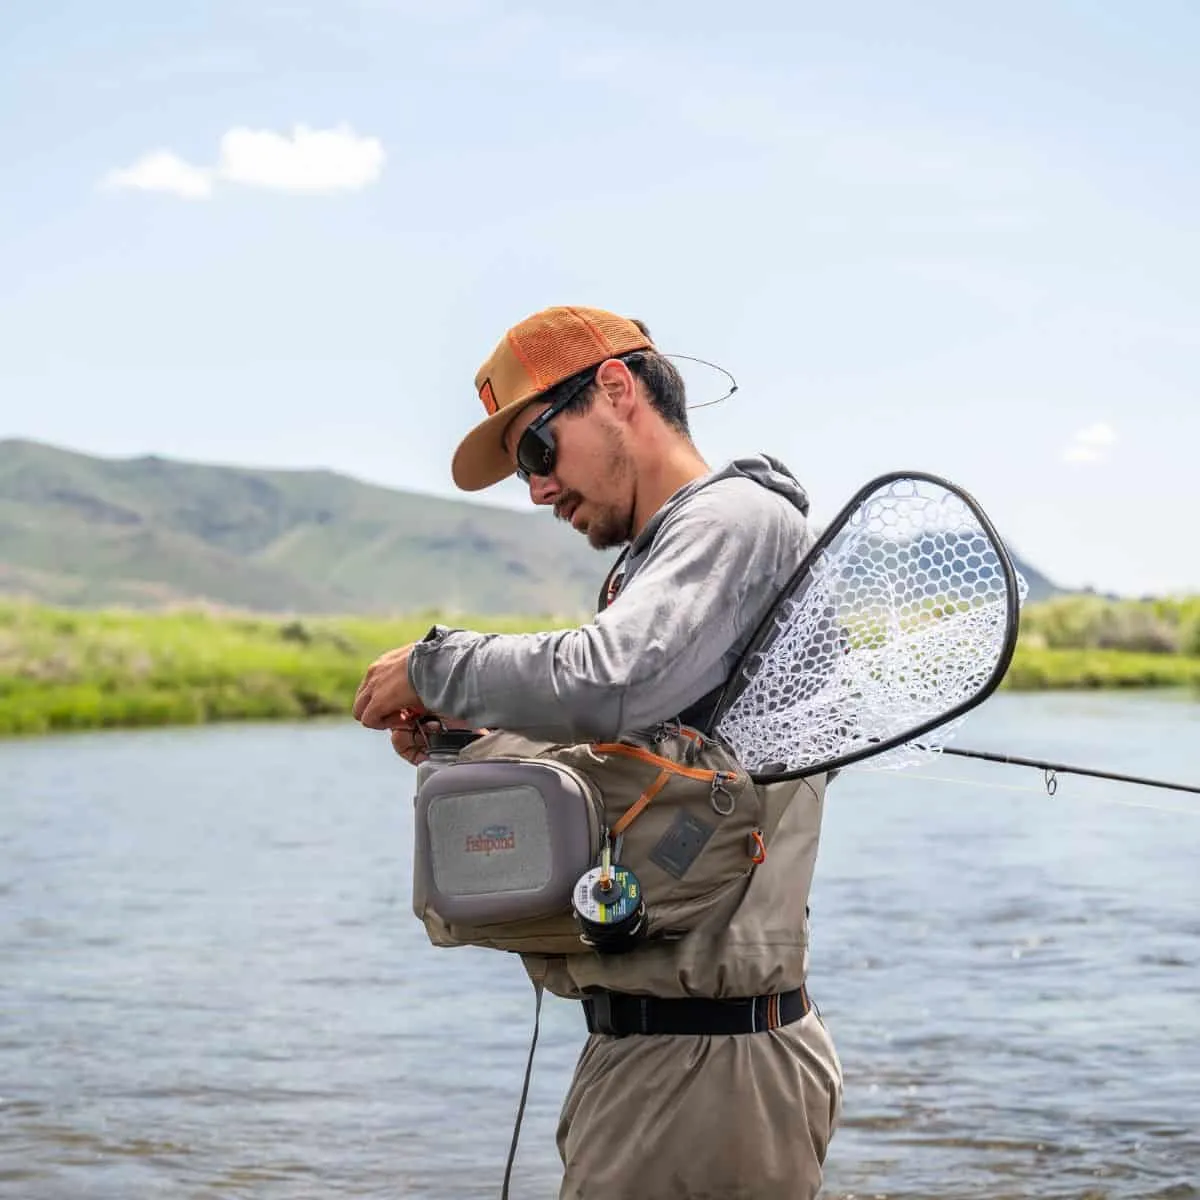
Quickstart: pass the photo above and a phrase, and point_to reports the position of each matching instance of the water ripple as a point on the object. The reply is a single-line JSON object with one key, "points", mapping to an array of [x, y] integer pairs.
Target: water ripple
{"points": [[210, 996]]}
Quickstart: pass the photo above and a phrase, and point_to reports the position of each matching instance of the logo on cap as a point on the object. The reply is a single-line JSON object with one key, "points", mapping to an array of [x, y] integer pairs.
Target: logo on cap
{"points": [[489, 397]]}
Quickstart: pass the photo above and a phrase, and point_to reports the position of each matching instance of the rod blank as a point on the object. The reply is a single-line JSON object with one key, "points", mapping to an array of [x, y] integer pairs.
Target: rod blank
{"points": [[1064, 769]]}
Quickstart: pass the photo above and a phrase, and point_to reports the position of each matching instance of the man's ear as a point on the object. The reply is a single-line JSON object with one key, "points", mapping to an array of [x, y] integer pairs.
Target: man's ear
{"points": [[619, 386]]}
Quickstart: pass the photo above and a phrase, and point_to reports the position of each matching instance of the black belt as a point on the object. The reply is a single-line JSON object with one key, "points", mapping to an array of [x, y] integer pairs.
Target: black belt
{"points": [[618, 1013]]}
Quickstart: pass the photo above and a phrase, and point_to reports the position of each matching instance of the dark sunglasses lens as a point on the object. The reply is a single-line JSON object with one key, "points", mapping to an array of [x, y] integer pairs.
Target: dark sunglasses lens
{"points": [[535, 454]]}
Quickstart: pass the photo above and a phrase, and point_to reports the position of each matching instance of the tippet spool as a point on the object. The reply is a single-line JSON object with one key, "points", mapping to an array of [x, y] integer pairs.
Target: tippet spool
{"points": [[609, 908]]}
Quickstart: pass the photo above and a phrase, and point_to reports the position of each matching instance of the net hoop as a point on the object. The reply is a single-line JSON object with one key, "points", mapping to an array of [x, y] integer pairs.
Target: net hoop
{"points": [[733, 716]]}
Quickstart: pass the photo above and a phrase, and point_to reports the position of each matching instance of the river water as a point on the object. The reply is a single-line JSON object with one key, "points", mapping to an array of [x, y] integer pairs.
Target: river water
{"points": [[211, 983]]}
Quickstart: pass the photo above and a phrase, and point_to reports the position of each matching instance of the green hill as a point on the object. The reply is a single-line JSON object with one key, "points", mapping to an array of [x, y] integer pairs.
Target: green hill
{"points": [[87, 532], [145, 532]]}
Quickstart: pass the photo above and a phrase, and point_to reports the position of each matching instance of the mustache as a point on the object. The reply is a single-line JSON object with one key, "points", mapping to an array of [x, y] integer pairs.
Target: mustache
{"points": [[566, 502]]}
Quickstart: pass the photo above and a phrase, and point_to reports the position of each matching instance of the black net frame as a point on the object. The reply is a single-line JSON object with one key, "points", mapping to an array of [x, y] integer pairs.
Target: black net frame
{"points": [[771, 629]]}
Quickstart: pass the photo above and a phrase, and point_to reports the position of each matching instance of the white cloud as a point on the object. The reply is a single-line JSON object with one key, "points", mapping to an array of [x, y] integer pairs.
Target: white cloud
{"points": [[307, 160], [311, 160], [1097, 435], [162, 171], [1092, 444]]}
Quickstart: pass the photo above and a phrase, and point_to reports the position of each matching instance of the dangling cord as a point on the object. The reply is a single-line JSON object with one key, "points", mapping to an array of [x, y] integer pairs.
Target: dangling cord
{"points": [[537, 1019], [704, 362]]}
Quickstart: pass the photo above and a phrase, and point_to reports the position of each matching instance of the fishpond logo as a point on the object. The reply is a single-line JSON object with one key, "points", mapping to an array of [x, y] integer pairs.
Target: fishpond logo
{"points": [[492, 839]]}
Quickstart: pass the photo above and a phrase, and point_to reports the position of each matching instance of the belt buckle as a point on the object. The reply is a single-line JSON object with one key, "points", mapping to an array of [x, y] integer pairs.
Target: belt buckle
{"points": [[602, 1014]]}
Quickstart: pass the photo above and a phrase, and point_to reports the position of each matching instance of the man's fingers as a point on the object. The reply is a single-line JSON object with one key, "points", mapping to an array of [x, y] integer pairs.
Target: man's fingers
{"points": [[385, 690], [382, 712], [380, 716], [409, 744], [362, 695], [370, 695]]}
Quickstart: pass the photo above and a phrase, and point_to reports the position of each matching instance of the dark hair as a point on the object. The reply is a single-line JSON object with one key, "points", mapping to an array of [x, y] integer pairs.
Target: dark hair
{"points": [[668, 396]]}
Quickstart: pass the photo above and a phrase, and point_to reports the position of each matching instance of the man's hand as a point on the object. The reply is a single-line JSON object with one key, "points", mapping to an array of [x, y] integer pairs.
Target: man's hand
{"points": [[385, 694], [410, 737]]}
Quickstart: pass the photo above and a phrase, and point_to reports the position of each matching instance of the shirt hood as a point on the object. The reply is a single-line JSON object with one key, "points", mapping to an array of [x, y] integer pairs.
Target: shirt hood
{"points": [[763, 469]]}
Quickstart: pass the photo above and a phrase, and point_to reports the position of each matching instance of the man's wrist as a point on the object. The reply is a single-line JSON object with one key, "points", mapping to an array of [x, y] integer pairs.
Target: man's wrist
{"points": [[424, 649]]}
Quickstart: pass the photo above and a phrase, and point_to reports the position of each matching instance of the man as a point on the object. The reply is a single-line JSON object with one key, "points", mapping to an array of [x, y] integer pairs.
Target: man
{"points": [[743, 1103]]}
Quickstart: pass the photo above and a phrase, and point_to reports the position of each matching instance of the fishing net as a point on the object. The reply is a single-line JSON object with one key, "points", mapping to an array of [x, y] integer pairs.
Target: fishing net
{"points": [[902, 618]]}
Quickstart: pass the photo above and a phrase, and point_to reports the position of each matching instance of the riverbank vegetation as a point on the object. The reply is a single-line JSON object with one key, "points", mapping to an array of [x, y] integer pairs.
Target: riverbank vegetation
{"points": [[68, 669], [1155, 627]]}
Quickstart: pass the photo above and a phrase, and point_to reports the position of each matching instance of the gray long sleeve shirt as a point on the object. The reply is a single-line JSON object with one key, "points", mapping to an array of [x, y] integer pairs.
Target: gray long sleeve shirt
{"points": [[698, 580]]}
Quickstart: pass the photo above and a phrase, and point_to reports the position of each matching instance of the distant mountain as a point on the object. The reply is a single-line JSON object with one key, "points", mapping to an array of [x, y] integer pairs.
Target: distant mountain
{"points": [[85, 532], [1040, 587]]}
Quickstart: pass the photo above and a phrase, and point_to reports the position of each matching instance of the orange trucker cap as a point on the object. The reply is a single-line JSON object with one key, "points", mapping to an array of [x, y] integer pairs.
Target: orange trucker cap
{"points": [[531, 358]]}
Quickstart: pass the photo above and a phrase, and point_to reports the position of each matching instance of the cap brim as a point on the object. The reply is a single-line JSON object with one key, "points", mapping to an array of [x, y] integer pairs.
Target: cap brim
{"points": [[481, 460]]}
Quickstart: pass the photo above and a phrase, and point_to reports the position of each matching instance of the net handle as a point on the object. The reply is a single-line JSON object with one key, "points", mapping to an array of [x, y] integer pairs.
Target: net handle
{"points": [[737, 682]]}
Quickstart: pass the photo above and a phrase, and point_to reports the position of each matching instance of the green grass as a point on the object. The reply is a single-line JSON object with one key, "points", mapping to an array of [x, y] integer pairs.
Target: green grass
{"points": [[1163, 626], [1037, 669], [63, 669]]}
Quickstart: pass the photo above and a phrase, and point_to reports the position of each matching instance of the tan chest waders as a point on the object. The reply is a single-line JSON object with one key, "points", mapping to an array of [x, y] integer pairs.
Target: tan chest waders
{"points": [[591, 848]]}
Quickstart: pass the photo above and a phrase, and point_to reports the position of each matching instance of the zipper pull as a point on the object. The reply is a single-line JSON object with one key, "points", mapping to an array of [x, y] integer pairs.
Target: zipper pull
{"points": [[758, 848]]}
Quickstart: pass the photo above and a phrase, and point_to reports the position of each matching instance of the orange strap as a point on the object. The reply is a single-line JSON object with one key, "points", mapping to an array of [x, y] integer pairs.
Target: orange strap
{"points": [[635, 809], [645, 756]]}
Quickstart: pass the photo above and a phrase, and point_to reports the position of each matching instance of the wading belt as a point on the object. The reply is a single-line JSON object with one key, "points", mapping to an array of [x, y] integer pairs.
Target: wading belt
{"points": [[619, 1014]]}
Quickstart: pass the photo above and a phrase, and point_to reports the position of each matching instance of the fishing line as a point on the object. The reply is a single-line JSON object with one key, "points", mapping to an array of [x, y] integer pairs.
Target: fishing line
{"points": [[999, 787], [1053, 768], [1010, 787]]}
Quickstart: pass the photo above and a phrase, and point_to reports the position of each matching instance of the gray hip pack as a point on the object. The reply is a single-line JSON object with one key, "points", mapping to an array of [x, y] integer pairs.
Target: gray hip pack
{"points": [[506, 832]]}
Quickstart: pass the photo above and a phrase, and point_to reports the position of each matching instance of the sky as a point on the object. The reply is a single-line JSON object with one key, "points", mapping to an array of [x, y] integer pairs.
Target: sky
{"points": [[948, 237]]}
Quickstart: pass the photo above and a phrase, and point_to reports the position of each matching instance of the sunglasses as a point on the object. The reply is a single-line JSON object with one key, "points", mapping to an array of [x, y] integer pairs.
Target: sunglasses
{"points": [[536, 448]]}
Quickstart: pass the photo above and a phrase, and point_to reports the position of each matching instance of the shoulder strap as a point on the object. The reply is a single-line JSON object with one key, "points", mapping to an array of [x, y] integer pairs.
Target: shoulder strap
{"points": [[699, 715], [612, 582]]}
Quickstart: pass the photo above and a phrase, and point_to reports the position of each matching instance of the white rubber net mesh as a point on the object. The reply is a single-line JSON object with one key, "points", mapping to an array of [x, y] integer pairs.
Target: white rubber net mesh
{"points": [[903, 617]]}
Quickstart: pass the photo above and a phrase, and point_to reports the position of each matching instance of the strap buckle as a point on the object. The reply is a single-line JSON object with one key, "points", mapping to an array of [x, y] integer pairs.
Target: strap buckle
{"points": [[597, 1011]]}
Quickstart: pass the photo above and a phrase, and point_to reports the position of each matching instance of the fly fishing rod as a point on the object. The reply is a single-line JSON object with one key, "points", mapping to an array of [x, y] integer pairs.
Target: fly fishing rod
{"points": [[1053, 769], [901, 619]]}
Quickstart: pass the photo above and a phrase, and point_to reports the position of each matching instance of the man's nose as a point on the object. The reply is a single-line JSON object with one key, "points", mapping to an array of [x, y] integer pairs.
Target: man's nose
{"points": [[543, 489]]}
